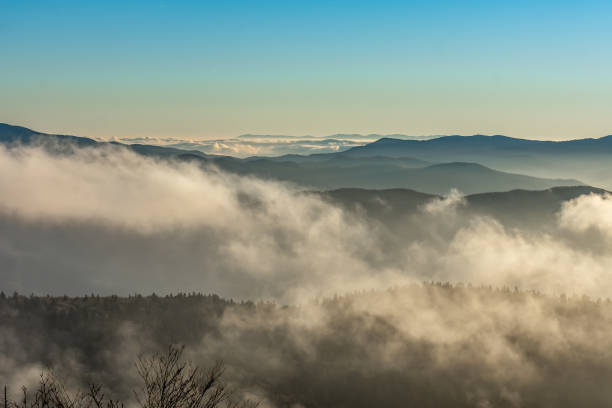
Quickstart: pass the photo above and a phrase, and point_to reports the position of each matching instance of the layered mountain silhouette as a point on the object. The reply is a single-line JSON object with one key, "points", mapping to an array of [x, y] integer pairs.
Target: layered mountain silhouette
{"points": [[436, 179], [586, 159], [470, 147], [433, 166]]}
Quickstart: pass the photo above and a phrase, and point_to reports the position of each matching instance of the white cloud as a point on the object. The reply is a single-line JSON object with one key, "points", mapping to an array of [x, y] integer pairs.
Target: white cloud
{"points": [[111, 220]]}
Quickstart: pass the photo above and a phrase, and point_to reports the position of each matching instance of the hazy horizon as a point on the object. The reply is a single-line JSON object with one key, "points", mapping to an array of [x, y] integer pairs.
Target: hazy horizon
{"points": [[210, 70], [269, 145], [369, 135]]}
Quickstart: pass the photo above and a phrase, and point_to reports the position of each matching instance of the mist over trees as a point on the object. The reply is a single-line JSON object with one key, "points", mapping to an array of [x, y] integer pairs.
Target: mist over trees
{"points": [[428, 344]]}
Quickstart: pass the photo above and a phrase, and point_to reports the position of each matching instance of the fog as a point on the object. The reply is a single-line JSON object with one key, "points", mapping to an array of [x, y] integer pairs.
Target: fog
{"points": [[110, 221], [419, 345], [106, 221]]}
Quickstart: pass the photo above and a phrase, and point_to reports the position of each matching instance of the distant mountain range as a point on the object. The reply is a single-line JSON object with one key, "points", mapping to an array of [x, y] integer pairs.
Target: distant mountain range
{"points": [[339, 136], [385, 173], [589, 160], [433, 166], [470, 147]]}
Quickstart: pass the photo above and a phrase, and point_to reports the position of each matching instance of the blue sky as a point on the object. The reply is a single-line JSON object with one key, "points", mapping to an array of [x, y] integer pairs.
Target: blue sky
{"points": [[205, 69]]}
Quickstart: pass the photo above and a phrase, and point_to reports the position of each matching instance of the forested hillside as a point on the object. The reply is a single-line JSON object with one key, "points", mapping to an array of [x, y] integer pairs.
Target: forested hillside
{"points": [[429, 345]]}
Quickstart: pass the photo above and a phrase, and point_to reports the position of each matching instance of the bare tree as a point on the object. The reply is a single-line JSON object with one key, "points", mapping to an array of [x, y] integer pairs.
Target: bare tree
{"points": [[52, 394], [168, 382]]}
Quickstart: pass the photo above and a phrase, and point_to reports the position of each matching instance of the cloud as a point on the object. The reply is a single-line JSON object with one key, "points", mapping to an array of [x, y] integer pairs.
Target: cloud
{"points": [[256, 145], [588, 212], [109, 220], [446, 205], [420, 345], [87, 219]]}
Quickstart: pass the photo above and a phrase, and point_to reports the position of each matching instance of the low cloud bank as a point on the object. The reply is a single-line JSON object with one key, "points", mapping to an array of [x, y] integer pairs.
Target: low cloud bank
{"points": [[108, 220], [258, 145], [269, 145]]}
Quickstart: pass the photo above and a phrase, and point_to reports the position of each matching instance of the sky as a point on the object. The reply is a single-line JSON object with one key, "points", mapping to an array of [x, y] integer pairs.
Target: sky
{"points": [[200, 69]]}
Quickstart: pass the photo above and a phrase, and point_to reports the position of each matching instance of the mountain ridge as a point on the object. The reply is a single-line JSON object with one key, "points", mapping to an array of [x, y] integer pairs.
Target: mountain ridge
{"points": [[343, 169], [515, 208]]}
